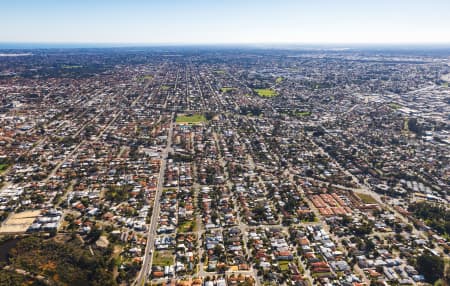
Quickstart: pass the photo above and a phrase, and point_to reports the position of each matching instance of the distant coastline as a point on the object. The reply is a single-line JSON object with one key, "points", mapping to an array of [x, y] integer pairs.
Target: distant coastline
{"points": [[308, 46], [15, 54]]}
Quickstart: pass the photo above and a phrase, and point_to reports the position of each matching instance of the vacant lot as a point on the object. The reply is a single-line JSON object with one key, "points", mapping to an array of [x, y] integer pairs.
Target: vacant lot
{"points": [[395, 105], [191, 118], [163, 258], [303, 113], [146, 77], [19, 222], [186, 226], [265, 92], [3, 167], [284, 265], [226, 89], [367, 199]]}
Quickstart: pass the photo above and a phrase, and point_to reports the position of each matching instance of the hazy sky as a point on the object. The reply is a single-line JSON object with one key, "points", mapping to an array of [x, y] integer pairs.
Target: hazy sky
{"points": [[225, 21]]}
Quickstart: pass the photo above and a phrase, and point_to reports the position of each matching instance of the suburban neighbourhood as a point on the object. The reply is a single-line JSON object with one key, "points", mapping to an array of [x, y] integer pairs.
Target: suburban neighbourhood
{"points": [[211, 167]]}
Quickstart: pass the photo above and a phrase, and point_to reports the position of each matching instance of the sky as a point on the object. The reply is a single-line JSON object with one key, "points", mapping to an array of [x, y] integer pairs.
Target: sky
{"points": [[225, 21]]}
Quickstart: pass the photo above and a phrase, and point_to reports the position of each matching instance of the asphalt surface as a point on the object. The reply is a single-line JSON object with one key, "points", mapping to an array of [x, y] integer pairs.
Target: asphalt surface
{"points": [[149, 248]]}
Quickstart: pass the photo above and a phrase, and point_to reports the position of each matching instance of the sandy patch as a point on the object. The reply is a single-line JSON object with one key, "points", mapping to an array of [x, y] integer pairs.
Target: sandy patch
{"points": [[19, 222]]}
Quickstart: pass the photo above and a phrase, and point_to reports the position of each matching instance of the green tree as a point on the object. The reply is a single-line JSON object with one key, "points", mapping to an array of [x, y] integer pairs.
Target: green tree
{"points": [[431, 266]]}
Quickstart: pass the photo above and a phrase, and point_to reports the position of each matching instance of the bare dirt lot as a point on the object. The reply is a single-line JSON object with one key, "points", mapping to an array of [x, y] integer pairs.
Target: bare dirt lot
{"points": [[19, 222]]}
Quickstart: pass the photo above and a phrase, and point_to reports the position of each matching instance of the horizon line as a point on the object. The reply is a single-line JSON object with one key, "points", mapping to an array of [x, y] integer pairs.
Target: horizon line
{"points": [[20, 44]]}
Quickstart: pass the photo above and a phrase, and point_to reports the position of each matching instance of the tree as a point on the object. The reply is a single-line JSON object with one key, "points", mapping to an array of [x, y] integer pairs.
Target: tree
{"points": [[408, 228], [431, 266], [346, 220], [363, 229], [414, 126]]}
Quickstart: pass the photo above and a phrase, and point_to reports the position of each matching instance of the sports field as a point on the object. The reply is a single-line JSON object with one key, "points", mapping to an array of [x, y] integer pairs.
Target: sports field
{"points": [[190, 119], [265, 92]]}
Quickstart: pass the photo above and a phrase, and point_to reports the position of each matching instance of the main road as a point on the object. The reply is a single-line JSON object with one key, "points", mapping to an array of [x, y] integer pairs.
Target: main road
{"points": [[148, 255]]}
